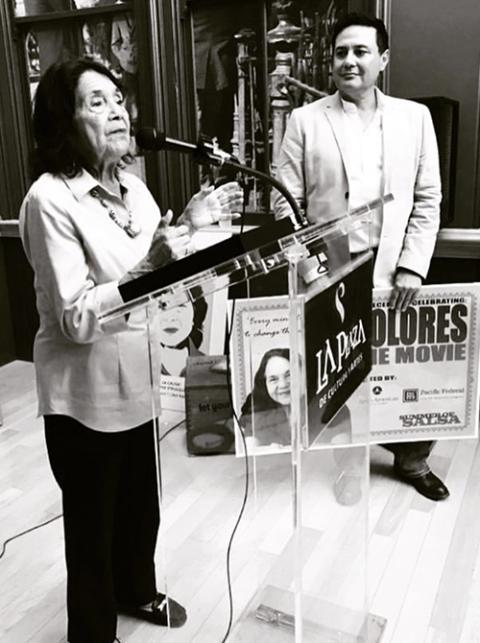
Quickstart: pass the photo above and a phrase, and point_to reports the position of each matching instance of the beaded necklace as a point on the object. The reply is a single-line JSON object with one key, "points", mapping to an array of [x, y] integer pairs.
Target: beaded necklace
{"points": [[131, 228]]}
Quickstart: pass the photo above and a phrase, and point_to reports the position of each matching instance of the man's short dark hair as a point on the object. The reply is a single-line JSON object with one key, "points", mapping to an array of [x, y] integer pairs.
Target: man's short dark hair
{"points": [[361, 20], [56, 144]]}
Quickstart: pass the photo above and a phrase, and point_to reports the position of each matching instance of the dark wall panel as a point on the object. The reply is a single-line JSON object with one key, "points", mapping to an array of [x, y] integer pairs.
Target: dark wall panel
{"points": [[21, 298], [7, 344], [434, 52], [445, 270]]}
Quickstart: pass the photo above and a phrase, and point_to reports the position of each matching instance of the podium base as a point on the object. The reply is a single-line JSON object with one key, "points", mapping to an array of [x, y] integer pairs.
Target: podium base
{"points": [[269, 619]]}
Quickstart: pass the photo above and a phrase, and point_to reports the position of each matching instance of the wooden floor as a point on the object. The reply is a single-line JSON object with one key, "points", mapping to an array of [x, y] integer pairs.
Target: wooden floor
{"points": [[423, 565]]}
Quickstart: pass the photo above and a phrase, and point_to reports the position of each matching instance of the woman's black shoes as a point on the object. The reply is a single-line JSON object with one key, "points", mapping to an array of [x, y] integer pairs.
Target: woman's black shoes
{"points": [[161, 611]]}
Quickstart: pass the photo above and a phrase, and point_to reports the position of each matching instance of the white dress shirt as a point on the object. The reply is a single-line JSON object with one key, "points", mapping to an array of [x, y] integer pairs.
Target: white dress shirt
{"points": [[364, 147], [95, 374]]}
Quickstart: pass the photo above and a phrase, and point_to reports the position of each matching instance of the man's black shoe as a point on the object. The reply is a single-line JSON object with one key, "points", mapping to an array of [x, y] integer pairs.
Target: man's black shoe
{"points": [[161, 611], [428, 485]]}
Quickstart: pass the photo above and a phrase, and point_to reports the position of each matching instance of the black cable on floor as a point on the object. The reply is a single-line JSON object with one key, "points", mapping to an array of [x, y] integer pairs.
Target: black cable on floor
{"points": [[242, 433], [175, 426], [240, 515], [27, 531], [47, 522]]}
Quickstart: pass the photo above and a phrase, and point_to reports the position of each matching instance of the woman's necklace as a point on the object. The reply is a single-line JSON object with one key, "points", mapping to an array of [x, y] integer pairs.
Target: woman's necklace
{"points": [[131, 228]]}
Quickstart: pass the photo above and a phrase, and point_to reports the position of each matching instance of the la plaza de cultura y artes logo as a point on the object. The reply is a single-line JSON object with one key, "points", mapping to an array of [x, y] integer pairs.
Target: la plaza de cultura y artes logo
{"points": [[337, 341]]}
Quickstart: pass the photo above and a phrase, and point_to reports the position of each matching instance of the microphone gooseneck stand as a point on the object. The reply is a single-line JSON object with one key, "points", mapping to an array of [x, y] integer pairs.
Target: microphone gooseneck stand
{"points": [[207, 154]]}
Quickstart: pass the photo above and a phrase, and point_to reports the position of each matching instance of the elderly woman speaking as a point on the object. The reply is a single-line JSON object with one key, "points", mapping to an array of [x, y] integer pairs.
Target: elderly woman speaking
{"points": [[88, 225]]}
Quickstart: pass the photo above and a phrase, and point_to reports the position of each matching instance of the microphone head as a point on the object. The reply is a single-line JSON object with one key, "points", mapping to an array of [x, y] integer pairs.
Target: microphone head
{"points": [[148, 138]]}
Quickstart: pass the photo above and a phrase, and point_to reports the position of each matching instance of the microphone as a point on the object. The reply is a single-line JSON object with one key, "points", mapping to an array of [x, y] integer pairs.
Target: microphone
{"points": [[205, 151], [148, 138]]}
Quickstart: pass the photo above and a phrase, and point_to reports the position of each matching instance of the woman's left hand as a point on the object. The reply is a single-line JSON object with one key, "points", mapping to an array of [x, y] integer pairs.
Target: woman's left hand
{"points": [[212, 205]]}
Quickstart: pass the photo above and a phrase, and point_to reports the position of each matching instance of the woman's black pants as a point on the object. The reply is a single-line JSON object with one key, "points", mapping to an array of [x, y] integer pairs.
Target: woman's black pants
{"points": [[111, 520]]}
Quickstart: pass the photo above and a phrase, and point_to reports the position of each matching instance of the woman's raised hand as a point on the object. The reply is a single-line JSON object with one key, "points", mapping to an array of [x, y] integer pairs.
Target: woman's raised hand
{"points": [[212, 205]]}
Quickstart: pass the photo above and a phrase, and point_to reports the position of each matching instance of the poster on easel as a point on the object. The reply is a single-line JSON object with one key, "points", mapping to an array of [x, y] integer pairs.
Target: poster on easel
{"points": [[424, 382], [194, 328], [260, 371]]}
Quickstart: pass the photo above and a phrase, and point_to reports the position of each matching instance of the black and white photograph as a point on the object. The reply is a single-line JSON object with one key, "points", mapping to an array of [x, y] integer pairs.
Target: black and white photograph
{"points": [[239, 321], [260, 358], [266, 410]]}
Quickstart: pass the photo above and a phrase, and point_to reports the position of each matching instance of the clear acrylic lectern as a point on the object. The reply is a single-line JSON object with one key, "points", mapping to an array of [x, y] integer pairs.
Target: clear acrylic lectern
{"points": [[295, 568]]}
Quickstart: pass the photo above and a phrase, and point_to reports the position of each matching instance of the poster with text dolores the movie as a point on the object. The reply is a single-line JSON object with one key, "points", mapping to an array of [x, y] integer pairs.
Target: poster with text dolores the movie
{"points": [[425, 365]]}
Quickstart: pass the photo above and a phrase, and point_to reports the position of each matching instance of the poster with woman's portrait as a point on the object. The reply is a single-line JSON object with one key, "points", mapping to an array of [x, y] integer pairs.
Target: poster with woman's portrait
{"points": [[195, 327], [192, 328], [261, 374]]}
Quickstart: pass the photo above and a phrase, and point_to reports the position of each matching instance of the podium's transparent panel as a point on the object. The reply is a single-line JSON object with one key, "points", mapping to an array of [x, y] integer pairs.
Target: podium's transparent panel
{"points": [[263, 532]]}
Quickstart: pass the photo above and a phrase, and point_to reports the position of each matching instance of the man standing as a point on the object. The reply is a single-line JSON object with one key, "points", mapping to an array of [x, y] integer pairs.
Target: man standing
{"points": [[354, 146]]}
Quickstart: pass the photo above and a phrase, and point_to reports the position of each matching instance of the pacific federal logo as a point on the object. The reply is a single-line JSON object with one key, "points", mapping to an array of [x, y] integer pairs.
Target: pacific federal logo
{"points": [[410, 395]]}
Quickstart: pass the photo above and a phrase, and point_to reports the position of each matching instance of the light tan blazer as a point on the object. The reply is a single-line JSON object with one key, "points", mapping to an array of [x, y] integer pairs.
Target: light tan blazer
{"points": [[314, 166]]}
